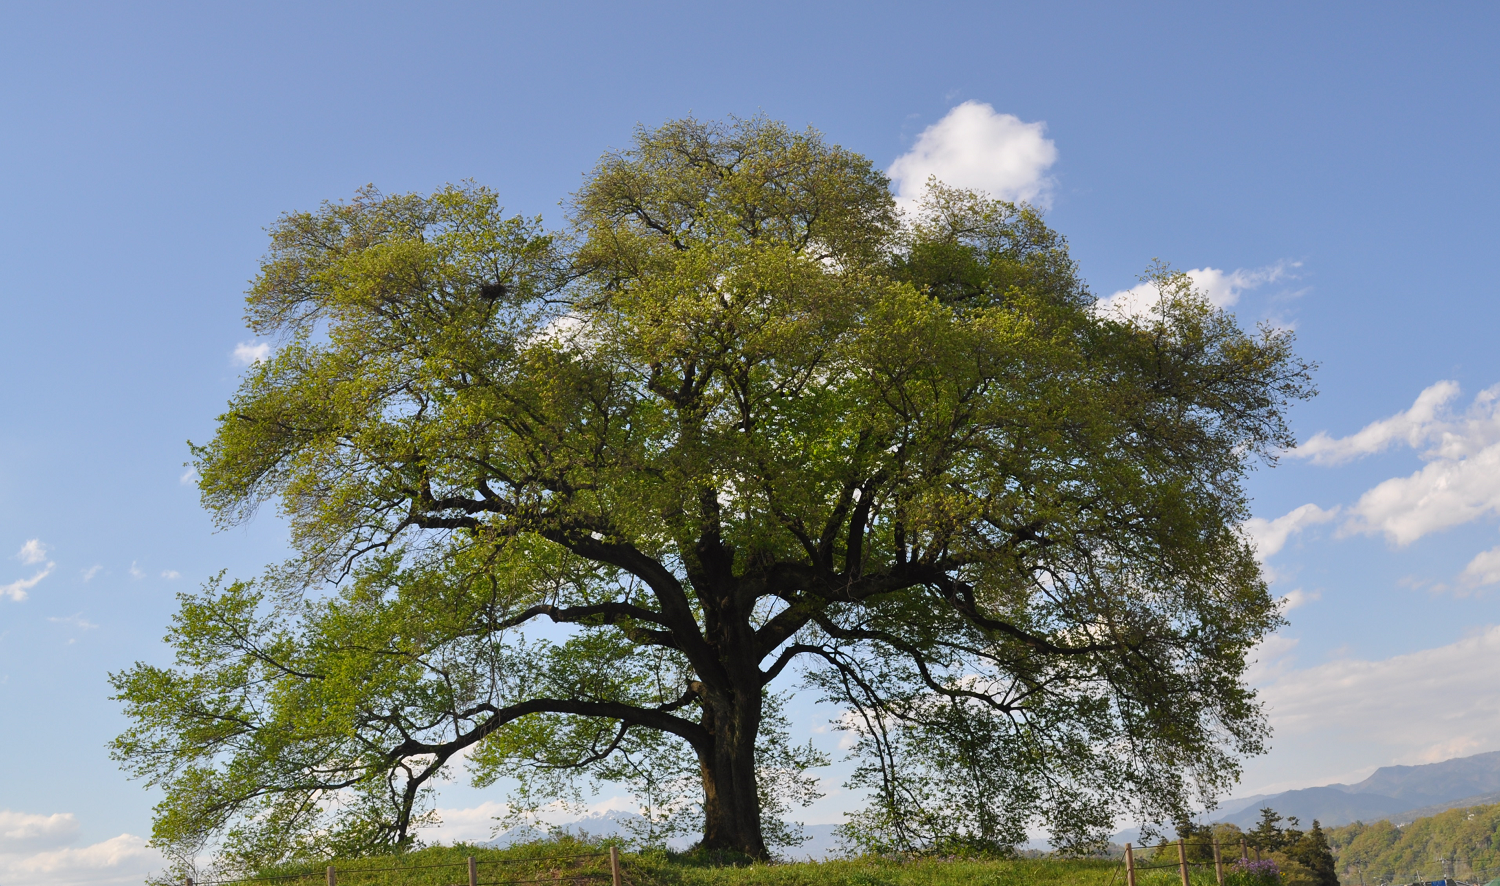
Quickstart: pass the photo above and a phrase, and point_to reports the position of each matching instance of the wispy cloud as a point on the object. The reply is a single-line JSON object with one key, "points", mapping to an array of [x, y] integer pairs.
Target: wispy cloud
{"points": [[1414, 427], [188, 477], [975, 147], [74, 621], [135, 571], [248, 353], [34, 551], [17, 590], [1222, 288], [171, 574], [1270, 536], [1294, 599], [92, 571], [1389, 706]]}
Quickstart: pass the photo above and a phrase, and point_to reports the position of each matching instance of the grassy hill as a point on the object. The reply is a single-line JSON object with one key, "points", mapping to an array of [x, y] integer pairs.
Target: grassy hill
{"points": [[1463, 843], [538, 863]]}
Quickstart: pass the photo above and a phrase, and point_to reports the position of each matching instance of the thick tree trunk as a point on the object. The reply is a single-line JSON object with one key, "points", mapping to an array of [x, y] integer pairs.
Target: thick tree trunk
{"points": [[731, 802]]}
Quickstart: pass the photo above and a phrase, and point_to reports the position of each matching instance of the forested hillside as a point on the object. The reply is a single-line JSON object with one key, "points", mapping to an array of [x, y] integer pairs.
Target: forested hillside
{"points": [[1462, 843]]}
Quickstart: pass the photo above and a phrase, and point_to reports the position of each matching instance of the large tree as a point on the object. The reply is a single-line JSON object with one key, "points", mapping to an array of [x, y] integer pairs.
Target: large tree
{"points": [[573, 503]]}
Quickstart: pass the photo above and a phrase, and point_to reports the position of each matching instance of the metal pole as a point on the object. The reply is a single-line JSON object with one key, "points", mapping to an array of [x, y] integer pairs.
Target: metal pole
{"points": [[1181, 862], [1129, 866], [1218, 862], [473, 872], [614, 865]]}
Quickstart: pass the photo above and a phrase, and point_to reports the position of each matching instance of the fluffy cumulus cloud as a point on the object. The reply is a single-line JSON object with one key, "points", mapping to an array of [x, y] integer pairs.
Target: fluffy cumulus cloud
{"points": [[21, 831], [1222, 288], [1484, 569], [1421, 707], [38, 849], [248, 353], [978, 148], [34, 551], [1460, 483]]}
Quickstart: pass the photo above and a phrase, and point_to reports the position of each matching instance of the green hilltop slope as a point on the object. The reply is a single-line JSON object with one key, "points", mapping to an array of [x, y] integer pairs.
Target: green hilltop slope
{"points": [[1462, 843]]}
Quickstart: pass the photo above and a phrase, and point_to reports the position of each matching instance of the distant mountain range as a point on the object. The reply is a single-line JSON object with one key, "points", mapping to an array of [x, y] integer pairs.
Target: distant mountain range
{"points": [[1397, 793], [1400, 794]]}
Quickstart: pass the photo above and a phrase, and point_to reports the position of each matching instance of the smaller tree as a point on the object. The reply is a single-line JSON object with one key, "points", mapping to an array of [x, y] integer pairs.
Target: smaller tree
{"points": [[1312, 852], [1268, 835]]}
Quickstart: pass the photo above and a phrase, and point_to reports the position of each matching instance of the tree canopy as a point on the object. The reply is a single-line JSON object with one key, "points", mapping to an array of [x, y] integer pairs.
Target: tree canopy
{"points": [[574, 504]]}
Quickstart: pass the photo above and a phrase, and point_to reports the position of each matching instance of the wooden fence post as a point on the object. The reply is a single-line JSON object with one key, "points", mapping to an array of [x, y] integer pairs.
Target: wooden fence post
{"points": [[1181, 861], [614, 865], [473, 872], [332, 877], [1129, 866], [1218, 862]]}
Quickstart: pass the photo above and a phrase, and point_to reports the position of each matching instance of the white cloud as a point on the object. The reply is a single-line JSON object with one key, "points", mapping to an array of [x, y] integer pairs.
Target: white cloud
{"points": [[1484, 569], [1413, 427], [76, 621], [16, 590], [92, 571], [135, 571], [1222, 288], [248, 353], [1443, 494], [1460, 483], [22, 831], [188, 477], [975, 147], [171, 574], [1298, 597], [35, 850], [34, 551], [122, 859], [1270, 536], [1416, 708], [472, 825]]}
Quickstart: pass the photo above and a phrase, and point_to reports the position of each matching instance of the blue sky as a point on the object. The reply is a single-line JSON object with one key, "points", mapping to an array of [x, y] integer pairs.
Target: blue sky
{"points": [[1328, 167]]}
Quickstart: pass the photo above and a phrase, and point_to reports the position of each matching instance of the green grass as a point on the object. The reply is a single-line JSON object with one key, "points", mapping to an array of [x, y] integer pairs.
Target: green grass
{"points": [[445, 866]]}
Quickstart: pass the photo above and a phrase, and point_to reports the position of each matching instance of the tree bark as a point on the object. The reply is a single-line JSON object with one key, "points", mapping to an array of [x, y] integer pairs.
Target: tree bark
{"points": [[731, 801]]}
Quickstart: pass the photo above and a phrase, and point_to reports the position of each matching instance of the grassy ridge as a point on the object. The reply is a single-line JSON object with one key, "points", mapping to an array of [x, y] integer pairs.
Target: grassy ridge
{"points": [[445, 866]]}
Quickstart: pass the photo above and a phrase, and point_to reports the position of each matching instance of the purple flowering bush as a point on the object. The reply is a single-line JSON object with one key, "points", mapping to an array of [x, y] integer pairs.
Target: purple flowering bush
{"points": [[1252, 873]]}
